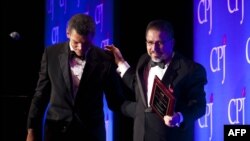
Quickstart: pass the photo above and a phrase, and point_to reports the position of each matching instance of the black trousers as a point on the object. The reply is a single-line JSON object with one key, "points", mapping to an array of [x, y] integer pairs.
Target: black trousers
{"points": [[74, 131]]}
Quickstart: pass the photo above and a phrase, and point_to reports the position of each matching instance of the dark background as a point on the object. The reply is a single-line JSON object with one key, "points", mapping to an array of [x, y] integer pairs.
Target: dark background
{"points": [[20, 59]]}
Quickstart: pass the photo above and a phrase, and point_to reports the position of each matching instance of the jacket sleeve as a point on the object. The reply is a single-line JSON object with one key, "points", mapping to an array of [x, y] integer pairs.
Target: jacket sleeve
{"points": [[41, 96], [195, 104], [113, 89]]}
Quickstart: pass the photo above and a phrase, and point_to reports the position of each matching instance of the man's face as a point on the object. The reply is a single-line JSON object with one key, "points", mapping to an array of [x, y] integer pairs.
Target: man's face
{"points": [[159, 46], [79, 43]]}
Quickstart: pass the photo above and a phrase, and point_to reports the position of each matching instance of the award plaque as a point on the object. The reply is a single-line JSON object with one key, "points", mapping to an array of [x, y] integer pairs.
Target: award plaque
{"points": [[162, 100]]}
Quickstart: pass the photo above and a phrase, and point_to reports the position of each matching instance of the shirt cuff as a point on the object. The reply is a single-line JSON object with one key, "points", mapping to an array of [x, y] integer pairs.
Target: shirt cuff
{"points": [[122, 68]]}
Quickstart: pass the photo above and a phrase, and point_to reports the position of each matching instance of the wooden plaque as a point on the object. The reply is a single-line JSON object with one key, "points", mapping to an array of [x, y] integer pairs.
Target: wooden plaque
{"points": [[162, 100]]}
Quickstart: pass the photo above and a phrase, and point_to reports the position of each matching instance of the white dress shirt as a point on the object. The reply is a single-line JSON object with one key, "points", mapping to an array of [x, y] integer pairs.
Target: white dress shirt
{"points": [[76, 67]]}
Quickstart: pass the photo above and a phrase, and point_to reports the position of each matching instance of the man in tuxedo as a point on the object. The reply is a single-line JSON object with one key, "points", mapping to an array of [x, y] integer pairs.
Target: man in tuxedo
{"points": [[73, 79], [185, 77]]}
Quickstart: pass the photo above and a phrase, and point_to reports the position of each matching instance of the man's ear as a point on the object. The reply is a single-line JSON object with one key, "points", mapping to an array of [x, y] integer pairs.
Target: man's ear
{"points": [[68, 33]]}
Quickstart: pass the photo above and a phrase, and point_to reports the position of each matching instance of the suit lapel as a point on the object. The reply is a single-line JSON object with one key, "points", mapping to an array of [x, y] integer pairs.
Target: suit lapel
{"points": [[90, 66], [142, 85], [87, 72], [171, 74], [64, 64]]}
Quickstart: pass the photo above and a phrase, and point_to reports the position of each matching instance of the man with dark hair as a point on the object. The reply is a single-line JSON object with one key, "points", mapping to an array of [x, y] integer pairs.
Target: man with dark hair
{"points": [[73, 79], [185, 77]]}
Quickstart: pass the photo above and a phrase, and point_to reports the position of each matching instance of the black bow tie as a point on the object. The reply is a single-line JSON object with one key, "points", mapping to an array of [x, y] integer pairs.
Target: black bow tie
{"points": [[161, 64], [74, 55]]}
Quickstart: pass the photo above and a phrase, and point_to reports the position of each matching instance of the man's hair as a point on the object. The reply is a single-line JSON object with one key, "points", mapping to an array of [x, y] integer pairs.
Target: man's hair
{"points": [[161, 25], [83, 24]]}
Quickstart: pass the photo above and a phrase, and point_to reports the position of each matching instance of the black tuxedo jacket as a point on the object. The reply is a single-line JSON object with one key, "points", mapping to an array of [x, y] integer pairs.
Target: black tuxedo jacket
{"points": [[54, 89], [188, 79]]}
